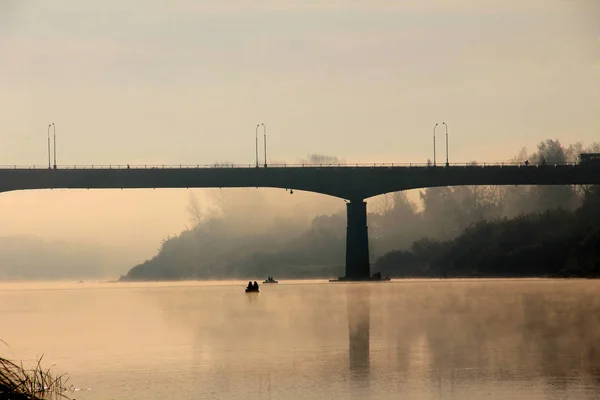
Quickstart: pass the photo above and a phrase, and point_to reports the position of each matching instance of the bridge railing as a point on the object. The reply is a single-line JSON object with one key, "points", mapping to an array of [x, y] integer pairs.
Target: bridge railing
{"points": [[292, 165]]}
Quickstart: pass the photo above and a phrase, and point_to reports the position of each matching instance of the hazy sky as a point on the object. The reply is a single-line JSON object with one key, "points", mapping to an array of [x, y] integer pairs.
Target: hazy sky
{"points": [[152, 82]]}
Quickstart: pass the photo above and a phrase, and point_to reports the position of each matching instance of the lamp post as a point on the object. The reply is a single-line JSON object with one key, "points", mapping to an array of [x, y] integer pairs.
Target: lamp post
{"points": [[434, 143], [256, 143], [447, 164], [54, 128], [49, 125], [265, 140]]}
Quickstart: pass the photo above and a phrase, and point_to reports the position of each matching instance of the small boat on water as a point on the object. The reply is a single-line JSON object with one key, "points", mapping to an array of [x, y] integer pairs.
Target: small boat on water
{"points": [[270, 280], [252, 287]]}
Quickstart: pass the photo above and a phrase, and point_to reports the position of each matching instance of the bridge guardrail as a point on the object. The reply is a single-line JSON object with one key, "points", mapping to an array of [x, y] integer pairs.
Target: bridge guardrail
{"points": [[292, 165]]}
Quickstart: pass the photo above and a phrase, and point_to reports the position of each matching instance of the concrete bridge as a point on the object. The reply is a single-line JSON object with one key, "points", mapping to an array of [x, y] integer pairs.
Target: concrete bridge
{"points": [[354, 183]]}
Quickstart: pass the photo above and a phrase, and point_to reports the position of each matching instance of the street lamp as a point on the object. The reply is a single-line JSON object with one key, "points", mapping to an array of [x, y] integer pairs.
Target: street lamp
{"points": [[256, 143], [54, 128], [434, 143], [265, 140], [447, 164], [49, 125]]}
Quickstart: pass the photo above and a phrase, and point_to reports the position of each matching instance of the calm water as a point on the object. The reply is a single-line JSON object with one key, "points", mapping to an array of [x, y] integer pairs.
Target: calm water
{"points": [[522, 339]]}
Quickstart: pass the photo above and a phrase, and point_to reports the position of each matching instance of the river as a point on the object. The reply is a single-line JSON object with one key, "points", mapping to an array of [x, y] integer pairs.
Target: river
{"points": [[413, 339]]}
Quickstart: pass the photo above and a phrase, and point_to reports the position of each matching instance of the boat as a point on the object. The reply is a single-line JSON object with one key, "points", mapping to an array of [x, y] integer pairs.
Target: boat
{"points": [[270, 280], [252, 288]]}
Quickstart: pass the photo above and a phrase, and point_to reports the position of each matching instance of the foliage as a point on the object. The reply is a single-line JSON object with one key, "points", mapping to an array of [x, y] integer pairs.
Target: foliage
{"points": [[205, 252], [551, 243]]}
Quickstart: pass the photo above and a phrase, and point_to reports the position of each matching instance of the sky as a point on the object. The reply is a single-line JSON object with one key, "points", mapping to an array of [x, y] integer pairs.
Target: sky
{"points": [[186, 82]]}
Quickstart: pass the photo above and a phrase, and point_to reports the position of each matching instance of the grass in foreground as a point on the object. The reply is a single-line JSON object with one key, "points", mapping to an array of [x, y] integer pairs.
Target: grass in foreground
{"points": [[20, 383]]}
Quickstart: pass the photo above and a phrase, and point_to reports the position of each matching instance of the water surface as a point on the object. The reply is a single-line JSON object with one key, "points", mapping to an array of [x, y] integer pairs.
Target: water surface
{"points": [[429, 339]]}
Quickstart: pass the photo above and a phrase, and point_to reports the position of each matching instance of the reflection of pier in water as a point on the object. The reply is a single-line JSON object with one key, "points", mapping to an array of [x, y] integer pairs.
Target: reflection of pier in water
{"points": [[358, 304]]}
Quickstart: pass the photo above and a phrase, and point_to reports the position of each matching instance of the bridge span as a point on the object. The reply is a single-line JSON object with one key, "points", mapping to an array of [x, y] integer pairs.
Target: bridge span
{"points": [[353, 183]]}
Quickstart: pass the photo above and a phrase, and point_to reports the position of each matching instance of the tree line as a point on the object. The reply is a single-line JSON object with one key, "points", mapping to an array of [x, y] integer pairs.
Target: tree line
{"points": [[463, 230]]}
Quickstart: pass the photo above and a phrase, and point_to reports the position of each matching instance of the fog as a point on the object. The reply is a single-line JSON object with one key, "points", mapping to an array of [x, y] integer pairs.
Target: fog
{"points": [[111, 232], [247, 234], [241, 232], [103, 233]]}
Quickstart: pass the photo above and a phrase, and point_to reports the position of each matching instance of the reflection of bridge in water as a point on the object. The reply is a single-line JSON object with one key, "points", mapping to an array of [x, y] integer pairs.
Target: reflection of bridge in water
{"points": [[358, 305], [353, 183]]}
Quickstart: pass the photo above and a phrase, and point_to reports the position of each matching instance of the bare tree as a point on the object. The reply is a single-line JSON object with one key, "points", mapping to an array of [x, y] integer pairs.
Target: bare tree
{"points": [[322, 159], [195, 210], [223, 164], [384, 203]]}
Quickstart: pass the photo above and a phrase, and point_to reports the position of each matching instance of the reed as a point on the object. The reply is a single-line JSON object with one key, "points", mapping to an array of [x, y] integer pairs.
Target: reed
{"points": [[37, 383]]}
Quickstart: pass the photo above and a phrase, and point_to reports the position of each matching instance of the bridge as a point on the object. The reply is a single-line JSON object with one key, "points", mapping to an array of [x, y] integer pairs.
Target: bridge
{"points": [[354, 183]]}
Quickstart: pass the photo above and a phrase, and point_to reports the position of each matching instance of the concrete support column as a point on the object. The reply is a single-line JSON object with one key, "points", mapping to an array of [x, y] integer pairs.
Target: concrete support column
{"points": [[357, 241]]}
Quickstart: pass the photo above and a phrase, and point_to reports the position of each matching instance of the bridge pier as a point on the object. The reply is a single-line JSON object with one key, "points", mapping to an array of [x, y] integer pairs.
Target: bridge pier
{"points": [[357, 242]]}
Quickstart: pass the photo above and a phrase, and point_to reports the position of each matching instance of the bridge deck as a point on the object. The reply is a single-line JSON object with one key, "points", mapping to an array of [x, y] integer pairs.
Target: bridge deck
{"points": [[349, 182]]}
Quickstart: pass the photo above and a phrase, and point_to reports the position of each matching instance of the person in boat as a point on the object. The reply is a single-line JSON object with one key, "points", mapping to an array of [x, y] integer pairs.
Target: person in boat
{"points": [[250, 286], [255, 286]]}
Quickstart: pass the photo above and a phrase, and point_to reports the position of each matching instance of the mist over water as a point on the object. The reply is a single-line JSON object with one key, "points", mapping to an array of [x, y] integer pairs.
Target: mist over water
{"points": [[429, 339]]}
